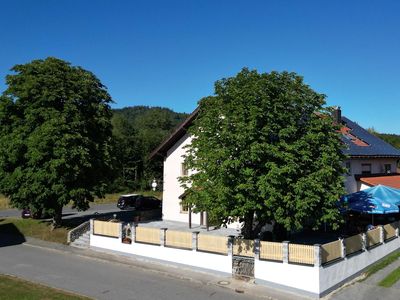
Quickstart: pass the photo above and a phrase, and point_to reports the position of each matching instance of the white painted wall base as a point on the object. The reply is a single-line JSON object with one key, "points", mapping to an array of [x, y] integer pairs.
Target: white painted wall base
{"points": [[314, 281], [204, 260]]}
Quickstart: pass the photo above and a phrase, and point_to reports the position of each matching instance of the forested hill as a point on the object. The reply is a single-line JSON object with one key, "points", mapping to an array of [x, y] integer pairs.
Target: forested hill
{"points": [[137, 131], [393, 139]]}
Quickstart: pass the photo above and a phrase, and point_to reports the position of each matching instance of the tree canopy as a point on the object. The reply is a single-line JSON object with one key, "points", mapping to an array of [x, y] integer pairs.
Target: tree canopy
{"points": [[139, 130], [55, 136], [265, 146]]}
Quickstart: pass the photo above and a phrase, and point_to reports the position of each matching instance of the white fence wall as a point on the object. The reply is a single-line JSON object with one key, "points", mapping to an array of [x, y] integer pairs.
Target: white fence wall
{"points": [[215, 262], [304, 279], [334, 274], [310, 280]]}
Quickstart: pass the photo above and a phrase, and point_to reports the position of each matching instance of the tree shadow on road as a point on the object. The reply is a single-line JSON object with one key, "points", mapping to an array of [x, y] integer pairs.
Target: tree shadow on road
{"points": [[10, 235]]}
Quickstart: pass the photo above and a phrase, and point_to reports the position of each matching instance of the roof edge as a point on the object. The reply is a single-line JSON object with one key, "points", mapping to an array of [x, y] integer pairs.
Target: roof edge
{"points": [[179, 132]]}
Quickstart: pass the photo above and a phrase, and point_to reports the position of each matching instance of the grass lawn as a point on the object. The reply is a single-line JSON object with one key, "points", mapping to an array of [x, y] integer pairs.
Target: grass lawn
{"points": [[109, 198], [34, 228], [4, 202], [391, 279], [15, 288], [381, 264], [113, 198]]}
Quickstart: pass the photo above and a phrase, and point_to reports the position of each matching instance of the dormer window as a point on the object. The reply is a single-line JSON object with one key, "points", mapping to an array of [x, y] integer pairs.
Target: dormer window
{"points": [[366, 168]]}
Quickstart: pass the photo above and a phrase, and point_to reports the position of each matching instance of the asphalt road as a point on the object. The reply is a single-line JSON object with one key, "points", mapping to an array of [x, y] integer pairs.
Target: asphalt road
{"points": [[101, 279], [69, 212]]}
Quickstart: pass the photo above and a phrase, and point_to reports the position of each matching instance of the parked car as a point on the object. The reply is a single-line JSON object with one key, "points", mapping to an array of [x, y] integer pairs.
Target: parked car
{"points": [[136, 201], [27, 213]]}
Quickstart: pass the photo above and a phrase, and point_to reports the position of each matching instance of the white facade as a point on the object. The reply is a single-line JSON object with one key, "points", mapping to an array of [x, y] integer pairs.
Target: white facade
{"points": [[356, 168], [172, 209]]}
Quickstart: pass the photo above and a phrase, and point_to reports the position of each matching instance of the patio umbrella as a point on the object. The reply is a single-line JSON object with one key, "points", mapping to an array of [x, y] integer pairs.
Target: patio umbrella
{"points": [[376, 200]]}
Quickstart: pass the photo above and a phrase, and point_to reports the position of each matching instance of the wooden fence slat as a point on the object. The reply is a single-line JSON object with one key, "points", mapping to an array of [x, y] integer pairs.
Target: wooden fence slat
{"points": [[147, 235], [178, 239], [212, 243], [106, 228], [331, 251], [373, 237], [353, 244], [303, 254], [243, 247], [271, 251]]}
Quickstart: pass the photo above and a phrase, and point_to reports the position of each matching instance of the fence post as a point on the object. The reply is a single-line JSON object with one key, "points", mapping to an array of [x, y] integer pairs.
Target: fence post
{"points": [[285, 250], [163, 234], [317, 255], [364, 241], [120, 227], [343, 251], [230, 245], [381, 234], [257, 249], [91, 226], [133, 232], [195, 235]]}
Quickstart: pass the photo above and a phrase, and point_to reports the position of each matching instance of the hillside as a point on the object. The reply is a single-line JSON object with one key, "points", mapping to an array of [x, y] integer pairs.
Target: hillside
{"points": [[393, 139], [137, 131]]}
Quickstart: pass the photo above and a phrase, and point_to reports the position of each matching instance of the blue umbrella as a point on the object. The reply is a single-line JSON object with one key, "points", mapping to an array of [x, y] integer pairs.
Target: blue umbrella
{"points": [[375, 200]]}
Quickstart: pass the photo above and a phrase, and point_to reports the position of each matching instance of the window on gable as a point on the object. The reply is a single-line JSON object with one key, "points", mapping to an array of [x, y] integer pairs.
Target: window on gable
{"points": [[388, 168], [184, 170], [184, 208], [366, 168]]}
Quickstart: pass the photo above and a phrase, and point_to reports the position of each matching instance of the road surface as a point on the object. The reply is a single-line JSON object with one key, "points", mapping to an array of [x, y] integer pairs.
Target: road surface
{"points": [[101, 279]]}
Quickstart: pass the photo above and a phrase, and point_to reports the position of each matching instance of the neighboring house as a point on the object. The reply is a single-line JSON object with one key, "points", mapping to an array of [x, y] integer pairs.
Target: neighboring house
{"points": [[371, 162]]}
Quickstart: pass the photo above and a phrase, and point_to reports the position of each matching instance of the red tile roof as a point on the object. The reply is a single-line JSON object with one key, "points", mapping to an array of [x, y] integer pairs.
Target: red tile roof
{"points": [[392, 181]]}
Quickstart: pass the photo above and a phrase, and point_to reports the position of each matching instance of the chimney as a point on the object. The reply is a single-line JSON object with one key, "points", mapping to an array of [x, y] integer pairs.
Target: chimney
{"points": [[337, 115]]}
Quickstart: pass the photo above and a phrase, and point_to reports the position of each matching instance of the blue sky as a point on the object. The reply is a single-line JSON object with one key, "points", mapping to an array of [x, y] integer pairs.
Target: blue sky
{"points": [[170, 53]]}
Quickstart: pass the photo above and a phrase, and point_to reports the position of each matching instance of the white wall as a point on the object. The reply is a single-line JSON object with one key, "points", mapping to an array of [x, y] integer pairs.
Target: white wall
{"points": [[215, 262], [334, 274], [377, 167], [172, 187], [304, 278]]}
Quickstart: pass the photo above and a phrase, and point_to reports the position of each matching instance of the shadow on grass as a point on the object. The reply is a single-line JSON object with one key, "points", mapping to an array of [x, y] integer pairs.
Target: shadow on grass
{"points": [[10, 235]]}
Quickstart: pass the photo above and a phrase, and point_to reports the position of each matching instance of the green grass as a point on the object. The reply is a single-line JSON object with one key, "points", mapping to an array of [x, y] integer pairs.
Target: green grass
{"points": [[33, 228], [18, 289], [4, 203], [109, 198], [113, 198], [391, 279], [381, 264]]}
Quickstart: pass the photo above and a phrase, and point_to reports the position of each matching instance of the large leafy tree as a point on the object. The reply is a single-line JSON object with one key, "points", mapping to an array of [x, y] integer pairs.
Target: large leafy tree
{"points": [[265, 149], [55, 134]]}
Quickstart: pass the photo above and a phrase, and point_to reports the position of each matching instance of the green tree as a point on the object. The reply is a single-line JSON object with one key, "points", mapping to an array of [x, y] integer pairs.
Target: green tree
{"points": [[139, 130], [265, 149], [54, 138]]}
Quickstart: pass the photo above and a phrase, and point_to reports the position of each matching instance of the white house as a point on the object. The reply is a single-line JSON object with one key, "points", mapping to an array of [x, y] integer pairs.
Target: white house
{"points": [[371, 161]]}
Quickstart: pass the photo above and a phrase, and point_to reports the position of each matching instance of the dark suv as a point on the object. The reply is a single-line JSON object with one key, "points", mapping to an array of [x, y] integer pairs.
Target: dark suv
{"points": [[136, 201]]}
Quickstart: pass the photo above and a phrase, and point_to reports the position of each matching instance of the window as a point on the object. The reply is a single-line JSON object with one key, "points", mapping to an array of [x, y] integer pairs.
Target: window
{"points": [[184, 170], [184, 208], [348, 168], [388, 168], [365, 168]]}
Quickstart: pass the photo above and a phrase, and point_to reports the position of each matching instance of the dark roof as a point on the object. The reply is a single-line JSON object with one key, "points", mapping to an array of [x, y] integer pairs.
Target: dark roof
{"points": [[360, 142], [365, 143], [178, 133]]}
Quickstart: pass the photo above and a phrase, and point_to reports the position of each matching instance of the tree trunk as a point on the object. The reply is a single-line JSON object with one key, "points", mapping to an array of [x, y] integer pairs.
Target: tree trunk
{"points": [[57, 218], [247, 229]]}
